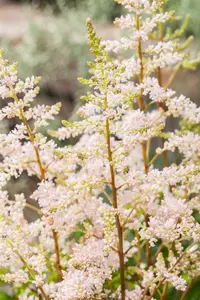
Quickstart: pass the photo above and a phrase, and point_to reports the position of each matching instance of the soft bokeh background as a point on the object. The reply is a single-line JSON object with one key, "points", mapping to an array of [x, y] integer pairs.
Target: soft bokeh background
{"points": [[48, 38]]}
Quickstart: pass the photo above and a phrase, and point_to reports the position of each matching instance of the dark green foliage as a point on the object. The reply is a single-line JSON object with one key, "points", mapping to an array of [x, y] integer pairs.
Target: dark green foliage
{"points": [[4, 296]]}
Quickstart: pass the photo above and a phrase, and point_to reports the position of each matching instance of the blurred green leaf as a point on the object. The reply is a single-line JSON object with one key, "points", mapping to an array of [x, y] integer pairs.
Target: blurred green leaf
{"points": [[194, 293], [4, 296]]}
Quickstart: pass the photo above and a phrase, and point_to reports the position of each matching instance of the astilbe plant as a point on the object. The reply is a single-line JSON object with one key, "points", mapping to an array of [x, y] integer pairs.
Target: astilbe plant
{"points": [[110, 225]]}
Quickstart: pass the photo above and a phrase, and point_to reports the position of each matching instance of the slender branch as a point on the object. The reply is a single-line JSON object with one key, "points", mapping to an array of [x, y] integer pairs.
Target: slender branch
{"points": [[160, 294], [159, 76], [141, 74], [42, 173], [148, 249], [164, 291], [173, 75], [141, 105], [48, 165], [31, 135], [57, 251], [34, 208], [139, 254], [115, 249], [155, 157], [120, 186], [127, 218], [149, 105], [32, 139], [114, 202], [108, 196], [148, 148], [31, 272], [186, 291], [157, 252], [171, 269], [127, 251], [165, 157]]}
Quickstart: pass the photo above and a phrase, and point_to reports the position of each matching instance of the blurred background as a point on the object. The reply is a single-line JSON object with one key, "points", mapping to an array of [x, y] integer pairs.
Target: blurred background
{"points": [[48, 38]]}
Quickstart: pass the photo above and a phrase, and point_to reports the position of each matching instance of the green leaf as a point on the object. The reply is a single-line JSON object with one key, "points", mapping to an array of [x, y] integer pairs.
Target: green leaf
{"points": [[194, 293]]}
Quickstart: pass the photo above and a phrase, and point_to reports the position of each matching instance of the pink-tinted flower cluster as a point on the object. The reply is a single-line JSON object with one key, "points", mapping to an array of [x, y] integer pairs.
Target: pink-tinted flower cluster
{"points": [[110, 224]]}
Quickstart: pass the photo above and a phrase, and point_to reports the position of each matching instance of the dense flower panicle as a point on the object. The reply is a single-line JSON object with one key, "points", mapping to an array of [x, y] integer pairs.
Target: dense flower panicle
{"points": [[187, 144], [109, 224], [135, 294], [141, 6]]}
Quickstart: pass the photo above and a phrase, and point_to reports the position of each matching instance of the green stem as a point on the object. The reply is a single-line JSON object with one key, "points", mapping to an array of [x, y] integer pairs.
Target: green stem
{"points": [[42, 174], [176, 263], [57, 251], [186, 291], [159, 76], [114, 203], [173, 75], [163, 295], [141, 105], [31, 272]]}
